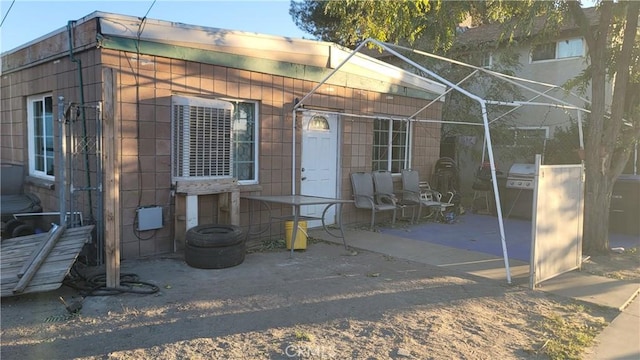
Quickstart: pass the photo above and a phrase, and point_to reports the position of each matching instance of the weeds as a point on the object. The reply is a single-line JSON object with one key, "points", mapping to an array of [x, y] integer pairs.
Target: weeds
{"points": [[567, 335], [303, 336]]}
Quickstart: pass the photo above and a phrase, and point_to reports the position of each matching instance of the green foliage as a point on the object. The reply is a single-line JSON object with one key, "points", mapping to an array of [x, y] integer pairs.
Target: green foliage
{"points": [[349, 22], [310, 16], [563, 147]]}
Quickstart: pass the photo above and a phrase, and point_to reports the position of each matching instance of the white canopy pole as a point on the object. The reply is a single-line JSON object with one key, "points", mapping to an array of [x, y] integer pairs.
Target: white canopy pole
{"points": [[443, 94], [485, 119], [496, 74], [496, 194], [293, 152]]}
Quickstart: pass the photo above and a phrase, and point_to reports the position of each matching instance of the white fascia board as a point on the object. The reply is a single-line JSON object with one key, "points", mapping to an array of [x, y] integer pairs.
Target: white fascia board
{"points": [[301, 51], [212, 38]]}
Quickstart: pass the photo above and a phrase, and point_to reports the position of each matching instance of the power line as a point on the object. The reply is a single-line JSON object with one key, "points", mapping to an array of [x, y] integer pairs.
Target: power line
{"points": [[5, 15], [142, 23], [145, 15]]}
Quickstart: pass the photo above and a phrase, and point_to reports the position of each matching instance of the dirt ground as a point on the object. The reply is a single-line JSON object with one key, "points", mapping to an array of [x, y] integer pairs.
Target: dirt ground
{"points": [[323, 303]]}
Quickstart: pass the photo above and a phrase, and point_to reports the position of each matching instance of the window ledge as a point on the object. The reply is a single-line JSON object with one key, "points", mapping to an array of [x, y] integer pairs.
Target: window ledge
{"points": [[579, 57], [250, 188], [40, 182]]}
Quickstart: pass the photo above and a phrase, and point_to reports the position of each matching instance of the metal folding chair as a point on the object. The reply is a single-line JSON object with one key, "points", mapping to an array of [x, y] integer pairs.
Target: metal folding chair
{"points": [[366, 198]]}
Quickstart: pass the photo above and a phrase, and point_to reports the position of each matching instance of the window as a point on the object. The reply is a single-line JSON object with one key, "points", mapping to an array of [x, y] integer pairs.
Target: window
{"points": [[544, 52], [390, 145], [244, 142], [558, 50], [213, 139], [319, 123], [570, 48], [40, 136]]}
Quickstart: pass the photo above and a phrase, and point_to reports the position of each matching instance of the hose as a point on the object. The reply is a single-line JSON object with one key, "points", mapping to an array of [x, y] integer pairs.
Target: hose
{"points": [[96, 285]]}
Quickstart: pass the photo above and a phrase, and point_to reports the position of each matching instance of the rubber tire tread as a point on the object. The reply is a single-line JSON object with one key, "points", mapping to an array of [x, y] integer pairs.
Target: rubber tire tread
{"points": [[11, 225], [22, 230], [214, 257], [214, 235]]}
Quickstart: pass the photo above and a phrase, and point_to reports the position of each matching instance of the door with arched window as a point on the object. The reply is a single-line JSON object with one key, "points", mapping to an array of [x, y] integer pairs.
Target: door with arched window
{"points": [[319, 168]]}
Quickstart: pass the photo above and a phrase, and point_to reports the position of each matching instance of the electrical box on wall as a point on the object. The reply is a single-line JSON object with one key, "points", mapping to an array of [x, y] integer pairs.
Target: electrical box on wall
{"points": [[149, 218]]}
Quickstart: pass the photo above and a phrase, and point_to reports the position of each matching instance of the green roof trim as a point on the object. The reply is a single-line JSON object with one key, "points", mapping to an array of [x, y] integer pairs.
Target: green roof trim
{"points": [[267, 66]]}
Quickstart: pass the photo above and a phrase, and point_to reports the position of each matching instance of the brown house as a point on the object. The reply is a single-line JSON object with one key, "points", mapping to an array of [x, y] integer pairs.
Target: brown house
{"points": [[156, 112]]}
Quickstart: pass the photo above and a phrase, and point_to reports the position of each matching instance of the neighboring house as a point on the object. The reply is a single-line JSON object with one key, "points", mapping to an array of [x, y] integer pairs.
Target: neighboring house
{"points": [[152, 108], [552, 61]]}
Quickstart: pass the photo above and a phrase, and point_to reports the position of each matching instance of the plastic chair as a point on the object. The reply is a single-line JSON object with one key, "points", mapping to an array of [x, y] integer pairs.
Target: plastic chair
{"points": [[415, 191], [366, 198]]}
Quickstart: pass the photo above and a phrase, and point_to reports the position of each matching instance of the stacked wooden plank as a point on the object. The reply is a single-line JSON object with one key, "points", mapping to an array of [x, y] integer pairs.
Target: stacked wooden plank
{"points": [[40, 262]]}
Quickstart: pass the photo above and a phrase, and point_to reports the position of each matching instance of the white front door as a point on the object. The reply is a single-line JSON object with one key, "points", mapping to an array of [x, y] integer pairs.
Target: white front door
{"points": [[319, 169]]}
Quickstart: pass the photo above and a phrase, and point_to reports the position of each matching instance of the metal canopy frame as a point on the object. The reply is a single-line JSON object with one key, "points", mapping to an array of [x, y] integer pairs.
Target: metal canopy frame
{"points": [[553, 102]]}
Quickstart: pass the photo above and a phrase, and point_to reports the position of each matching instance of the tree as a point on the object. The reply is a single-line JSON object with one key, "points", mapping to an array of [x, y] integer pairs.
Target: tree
{"points": [[348, 22], [608, 145], [613, 42]]}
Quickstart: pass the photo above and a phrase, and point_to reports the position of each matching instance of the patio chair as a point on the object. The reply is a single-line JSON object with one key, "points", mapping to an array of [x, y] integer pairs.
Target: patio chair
{"points": [[366, 198], [383, 183], [420, 193]]}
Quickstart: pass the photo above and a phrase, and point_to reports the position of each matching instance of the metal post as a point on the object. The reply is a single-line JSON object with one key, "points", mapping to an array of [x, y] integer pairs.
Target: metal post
{"points": [[99, 180], [61, 173]]}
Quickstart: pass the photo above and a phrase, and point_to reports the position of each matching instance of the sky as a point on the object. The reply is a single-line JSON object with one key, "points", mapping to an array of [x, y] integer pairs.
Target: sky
{"points": [[26, 20]]}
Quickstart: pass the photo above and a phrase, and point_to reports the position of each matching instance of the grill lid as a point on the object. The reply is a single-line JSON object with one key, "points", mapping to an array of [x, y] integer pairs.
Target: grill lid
{"points": [[522, 170]]}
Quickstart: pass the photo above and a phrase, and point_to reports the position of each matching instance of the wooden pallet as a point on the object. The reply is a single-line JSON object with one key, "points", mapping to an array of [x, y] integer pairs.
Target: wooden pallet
{"points": [[38, 263]]}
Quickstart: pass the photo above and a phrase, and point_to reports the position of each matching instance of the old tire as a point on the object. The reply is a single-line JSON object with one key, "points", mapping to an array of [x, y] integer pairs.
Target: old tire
{"points": [[12, 225], [22, 230], [214, 257], [214, 235]]}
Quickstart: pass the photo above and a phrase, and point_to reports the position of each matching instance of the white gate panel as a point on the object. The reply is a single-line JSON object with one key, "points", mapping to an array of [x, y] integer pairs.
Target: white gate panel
{"points": [[557, 221]]}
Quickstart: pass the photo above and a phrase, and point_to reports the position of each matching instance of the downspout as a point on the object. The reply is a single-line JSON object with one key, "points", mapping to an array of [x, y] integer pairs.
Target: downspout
{"points": [[83, 114]]}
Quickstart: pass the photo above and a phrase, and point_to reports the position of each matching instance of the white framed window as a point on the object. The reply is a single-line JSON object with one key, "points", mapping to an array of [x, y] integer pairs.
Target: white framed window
{"points": [[570, 48], [245, 141], [561, 49], [390, 145], [40, 136], [213, 139]]}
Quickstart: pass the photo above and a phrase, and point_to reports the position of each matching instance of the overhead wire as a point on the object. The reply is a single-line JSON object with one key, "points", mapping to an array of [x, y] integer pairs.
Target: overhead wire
{"points": [[137, 79], [7, 13]]}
